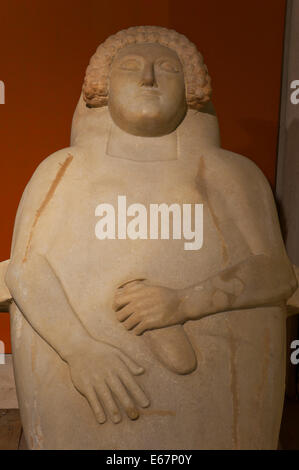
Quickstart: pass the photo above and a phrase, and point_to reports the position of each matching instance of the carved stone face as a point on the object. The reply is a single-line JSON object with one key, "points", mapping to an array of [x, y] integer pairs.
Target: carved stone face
{"points": [[147, 90]]}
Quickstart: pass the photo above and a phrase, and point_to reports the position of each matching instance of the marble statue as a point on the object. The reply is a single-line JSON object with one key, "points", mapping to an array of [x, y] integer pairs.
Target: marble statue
{"points": [[148, 275]]}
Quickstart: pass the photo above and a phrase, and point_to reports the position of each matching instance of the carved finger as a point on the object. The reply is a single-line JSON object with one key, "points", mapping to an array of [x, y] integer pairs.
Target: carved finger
{"points": [[132, 321], [124, 298], [142, 327], [118, 303], [133, 367], [135, 390], [119, 390], [133, 307], [124, 313], [131, 283], [95, 406], [109, 403], [130, 288]]}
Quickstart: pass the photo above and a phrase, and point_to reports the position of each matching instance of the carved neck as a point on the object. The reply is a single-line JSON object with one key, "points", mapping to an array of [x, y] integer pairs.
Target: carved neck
{"points": [[90, 125], [144, 149]]}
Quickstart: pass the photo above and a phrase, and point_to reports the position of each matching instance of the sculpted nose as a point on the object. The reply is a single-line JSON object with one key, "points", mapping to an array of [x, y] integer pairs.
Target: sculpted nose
{"points": [[148, 76]]}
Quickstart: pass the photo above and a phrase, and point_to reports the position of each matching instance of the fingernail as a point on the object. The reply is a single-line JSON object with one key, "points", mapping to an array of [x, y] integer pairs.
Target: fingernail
{"points": [[101, 419], [116, 418], [133, 413]]}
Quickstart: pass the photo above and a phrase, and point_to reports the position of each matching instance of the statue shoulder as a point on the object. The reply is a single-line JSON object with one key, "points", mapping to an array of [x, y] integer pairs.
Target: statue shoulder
{"points": [[238, 172], [37, 195], [42, 186], [54, 164], [50, 172]]}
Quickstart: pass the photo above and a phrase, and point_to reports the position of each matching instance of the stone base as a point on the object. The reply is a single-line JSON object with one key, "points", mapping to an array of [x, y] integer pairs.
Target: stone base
{"points": [[8, 396]]}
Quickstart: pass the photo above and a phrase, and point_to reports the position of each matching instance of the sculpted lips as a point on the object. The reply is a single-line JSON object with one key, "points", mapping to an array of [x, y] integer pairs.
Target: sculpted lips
{"points": [[150, 92]]}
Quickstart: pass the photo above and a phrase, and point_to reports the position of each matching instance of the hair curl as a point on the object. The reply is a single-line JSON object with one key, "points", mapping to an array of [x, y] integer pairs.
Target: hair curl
{"points": [[197, 79]]}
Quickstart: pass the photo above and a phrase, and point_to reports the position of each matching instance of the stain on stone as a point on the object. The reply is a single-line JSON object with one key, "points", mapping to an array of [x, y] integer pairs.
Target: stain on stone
{"points": [[132, 413], [229, 274], [200, 180], [17, 325], [221, 298], [48, 197], [36, 435], [157, 412], [234, 388], [33, 353], [264, 375]]}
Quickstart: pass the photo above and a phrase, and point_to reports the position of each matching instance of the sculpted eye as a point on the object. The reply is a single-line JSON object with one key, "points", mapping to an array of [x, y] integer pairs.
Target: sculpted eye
{"points": [[130, 64], [168, 66]]}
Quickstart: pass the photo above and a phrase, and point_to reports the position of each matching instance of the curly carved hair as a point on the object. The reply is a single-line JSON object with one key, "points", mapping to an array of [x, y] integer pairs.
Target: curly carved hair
{"points": [[197, 79]]}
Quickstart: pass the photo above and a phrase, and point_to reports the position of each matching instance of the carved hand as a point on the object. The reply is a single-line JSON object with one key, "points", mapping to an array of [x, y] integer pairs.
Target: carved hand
{"points": [[141, 306], [103, 373]]}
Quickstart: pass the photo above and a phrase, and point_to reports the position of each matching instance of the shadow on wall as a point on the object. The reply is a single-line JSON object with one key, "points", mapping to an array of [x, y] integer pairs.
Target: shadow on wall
{"points": [[289, 204]]}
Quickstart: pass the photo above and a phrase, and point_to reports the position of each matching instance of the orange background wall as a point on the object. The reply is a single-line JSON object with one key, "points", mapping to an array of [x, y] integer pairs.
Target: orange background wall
{"points": [[45, 47]]}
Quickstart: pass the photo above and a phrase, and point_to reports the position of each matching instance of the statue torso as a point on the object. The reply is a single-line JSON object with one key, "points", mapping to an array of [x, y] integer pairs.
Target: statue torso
{"points": [[91, 269]]}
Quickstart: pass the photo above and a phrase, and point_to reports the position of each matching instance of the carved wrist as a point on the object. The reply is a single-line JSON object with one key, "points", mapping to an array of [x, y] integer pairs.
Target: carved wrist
{"points": [[76, 347], [211, 296], [194, 302]]}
